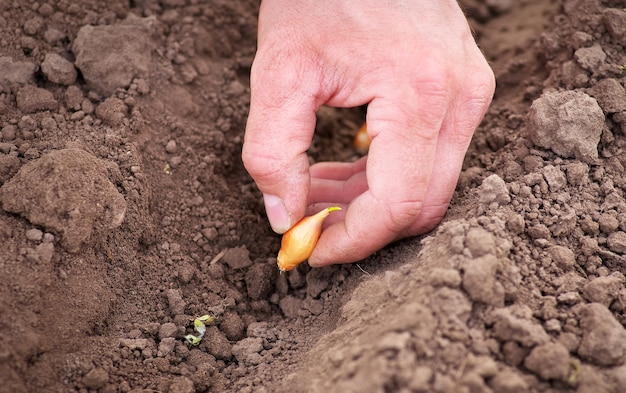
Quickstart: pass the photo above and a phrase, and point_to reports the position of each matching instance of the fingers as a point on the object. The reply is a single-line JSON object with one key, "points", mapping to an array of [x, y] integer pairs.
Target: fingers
{"points": [[278, 133], [467, 110], [412, 168], [337, 182], [338, 170], [399, 168], [278, 163]]}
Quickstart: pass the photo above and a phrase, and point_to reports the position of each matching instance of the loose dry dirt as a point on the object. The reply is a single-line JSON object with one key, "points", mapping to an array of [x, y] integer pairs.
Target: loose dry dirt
{"points": [[126, 213]]}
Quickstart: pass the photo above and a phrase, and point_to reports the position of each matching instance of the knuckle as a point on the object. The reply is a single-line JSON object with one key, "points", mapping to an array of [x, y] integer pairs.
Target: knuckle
{"points": [[482, 85], [280, 74], [257, 162], [429, 217], [402, 214], [474, 100]]}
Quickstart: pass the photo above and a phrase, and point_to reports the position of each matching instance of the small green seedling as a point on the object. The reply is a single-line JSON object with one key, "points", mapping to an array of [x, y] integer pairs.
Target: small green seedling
{"points": [[167, 169], [199, 326]]}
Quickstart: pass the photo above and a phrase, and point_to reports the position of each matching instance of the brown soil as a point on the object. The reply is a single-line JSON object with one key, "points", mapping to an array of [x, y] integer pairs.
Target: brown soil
{"points": [[126, 213]]}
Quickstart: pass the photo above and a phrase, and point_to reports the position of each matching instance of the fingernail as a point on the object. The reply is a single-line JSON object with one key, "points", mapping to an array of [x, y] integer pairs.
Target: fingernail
{"points": [[277, 213]]}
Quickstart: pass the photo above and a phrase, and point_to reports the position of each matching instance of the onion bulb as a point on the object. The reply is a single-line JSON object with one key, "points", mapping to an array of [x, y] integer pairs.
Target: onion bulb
{"points": [[362, 140], [299, 242]]}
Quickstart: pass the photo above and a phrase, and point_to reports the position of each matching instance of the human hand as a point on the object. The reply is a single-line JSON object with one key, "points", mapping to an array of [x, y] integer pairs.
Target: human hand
{"points": [[427, 86]]}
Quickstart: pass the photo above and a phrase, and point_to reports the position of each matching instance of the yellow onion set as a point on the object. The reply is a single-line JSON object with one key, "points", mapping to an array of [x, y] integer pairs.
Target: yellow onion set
{"points": [[362, 140], [299, 242]]}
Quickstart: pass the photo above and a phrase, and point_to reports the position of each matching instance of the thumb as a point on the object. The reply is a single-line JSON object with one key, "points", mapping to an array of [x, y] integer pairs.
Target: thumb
{"points": [[278, 134]]}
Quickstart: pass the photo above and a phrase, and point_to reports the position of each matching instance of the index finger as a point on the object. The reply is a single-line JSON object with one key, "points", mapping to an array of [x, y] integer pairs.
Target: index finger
{"points": [[278, 133]]}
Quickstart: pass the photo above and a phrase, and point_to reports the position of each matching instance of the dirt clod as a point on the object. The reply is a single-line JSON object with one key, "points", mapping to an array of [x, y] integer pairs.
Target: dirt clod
{"points": [[493, 189], [67, 192], [20, 72], [479, 280], [175, 301], [182, 385], [31, 99], [615, 22], [58, 69], [260, 279], [233, 326], [217, 344], [603, 290], [109, 57], [237, 257], [570, 123], [610, 94], [96, 378], [549, 361], [508, 326], [617, 242], [604, 338], [112, 111], [167, 330]]}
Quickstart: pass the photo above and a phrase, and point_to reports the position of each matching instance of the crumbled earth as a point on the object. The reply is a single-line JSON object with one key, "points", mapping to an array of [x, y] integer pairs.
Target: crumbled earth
{"points": [[126, 213]]}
